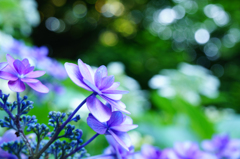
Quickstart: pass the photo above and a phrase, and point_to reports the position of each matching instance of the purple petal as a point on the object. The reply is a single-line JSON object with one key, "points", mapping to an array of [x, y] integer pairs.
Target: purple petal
{"points": [[8, 76], [86, 74], [26, 62], [9, 135], [113, 96], [98, 109], [39, 87], [112, 141], [35, 74], [127, 120], [91, 71], [16, 86], [121, 138], [150, 151], [114, 86], [10, 69], [103, 70], [19, 67], [207, 145], [29, 80], [116, 119], [93, 87], [116, 104], [98, 78], [124, 128], [75, 75], [115, 92], [29, 69], [3, 65], [99, 74], [107, 82], [10, 60], [96, 125]]}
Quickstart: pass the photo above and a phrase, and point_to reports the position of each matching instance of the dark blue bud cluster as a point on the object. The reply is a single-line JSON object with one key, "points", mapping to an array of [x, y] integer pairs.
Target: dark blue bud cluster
{"points": [[28, 120], [61, 148], [56, 119], [23, 107], [40, 130], [14, 147], [7, 122], [72, 133], [42, 142]]}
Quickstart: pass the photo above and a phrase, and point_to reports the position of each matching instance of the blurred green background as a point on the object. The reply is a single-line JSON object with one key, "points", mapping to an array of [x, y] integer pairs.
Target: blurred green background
{"points": [[178, 58]]}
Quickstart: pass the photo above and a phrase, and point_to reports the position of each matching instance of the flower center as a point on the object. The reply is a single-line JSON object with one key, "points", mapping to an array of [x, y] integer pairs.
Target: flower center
{"points": [[21, 76]]}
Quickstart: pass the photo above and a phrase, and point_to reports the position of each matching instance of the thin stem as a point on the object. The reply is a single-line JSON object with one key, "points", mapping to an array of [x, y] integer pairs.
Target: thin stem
{"points": [[19, 156], [80, 147], [17, 122], [8, 112], [55, 136], [38, 143]]}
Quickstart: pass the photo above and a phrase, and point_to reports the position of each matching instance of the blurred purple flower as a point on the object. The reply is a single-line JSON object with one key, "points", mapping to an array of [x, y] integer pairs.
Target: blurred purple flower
{"points": [[7, 137], [99, 83], [38, 56], [150, 152], [187, 150], [16, 47], [124, 154], [116, 151], [117, 127], [223, 147], [18, 72], [53, 67]]}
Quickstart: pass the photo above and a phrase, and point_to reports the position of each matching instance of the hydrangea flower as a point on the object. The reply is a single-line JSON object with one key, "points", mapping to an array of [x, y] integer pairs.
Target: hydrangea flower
{"points": [[7, 137], [117, 150], [99, 83], [20, 72], [187, 150], [150, 152], [117, 127], [223, 147]]}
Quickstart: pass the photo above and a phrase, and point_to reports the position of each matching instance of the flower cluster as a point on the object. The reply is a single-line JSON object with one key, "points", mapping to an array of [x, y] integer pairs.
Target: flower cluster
{"points": [[219, 147], [20, 72], [37, 57], [105, 118]]}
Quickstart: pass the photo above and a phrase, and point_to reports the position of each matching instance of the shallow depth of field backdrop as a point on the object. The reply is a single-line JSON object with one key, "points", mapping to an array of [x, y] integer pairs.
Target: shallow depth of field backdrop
{"points": [[178, 58]]}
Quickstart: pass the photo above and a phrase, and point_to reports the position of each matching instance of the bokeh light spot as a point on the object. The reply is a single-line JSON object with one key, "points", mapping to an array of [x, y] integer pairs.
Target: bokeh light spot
{"points": [[180, 12], [79, 10], [202, 36], [109, 38], [52, 24], [58, 3], [112, 9], [167, 16]]}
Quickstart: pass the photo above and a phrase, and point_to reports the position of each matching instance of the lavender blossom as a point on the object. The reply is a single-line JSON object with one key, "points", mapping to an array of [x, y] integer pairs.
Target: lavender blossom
{"points": [[112, 153], [223, 147], [7, 137], [116, 151], [150, 152], [99, 83], [117, 127], [20, 72], [187, 150]]}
